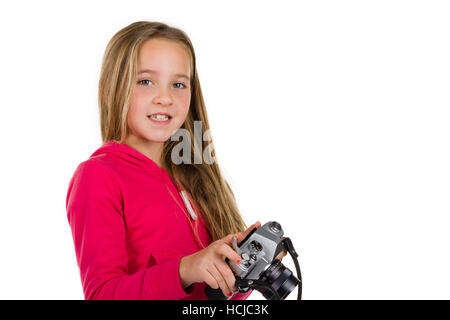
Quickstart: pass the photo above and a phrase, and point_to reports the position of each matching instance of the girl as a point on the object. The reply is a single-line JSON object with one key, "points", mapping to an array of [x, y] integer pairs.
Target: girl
{"points": [[144, 227]]}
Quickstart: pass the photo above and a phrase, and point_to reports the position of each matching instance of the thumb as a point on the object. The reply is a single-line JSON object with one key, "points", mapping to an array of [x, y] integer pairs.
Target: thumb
{"points": [[229, 239]]}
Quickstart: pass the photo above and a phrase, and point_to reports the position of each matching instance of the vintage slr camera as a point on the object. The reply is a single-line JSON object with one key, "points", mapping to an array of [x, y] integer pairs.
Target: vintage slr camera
{"points": [[259, 269]]}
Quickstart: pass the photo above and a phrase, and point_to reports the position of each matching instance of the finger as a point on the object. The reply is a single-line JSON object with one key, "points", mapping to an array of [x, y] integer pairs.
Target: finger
{"points": [[227, 252], [257, 224], [281, 255], [227, 274], [219, 279], [228, 239], [210, 280], [241, 236]]}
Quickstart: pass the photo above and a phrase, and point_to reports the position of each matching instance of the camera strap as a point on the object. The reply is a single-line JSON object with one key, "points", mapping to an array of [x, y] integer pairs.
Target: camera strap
{"points": [[287, 243]]}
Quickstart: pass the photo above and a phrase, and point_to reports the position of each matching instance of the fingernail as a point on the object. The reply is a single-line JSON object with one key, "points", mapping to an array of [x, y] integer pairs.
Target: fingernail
{"points": [[239, 261], [229, 294]]}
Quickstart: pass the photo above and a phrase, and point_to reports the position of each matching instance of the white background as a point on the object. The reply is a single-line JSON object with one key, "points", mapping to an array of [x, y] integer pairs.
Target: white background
{"points": [[331, 117]]}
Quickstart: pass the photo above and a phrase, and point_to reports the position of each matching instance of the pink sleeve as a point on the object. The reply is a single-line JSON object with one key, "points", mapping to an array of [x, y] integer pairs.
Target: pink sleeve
{"points": [[95, 214], [241, 296]]}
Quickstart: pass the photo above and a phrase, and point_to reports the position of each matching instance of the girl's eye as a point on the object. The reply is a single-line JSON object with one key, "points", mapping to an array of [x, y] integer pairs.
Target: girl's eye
{"points": [[144, 82], [181, 84]]}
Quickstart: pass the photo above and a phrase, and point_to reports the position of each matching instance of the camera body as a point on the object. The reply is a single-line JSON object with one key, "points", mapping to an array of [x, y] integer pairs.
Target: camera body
{"points": [[258, 250], [259, 269]]}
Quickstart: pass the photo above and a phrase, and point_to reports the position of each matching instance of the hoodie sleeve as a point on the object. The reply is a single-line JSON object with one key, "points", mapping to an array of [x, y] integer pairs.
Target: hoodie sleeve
{"points": [[242, 296], [95, 213]]}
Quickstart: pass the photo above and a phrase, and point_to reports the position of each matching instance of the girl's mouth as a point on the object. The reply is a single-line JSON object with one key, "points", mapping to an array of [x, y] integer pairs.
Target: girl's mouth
{"points": [[160, 119]]}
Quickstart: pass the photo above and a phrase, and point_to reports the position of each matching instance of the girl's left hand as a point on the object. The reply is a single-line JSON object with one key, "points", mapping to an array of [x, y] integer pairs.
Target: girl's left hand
{"points": [[282, 254], [241, 236]]}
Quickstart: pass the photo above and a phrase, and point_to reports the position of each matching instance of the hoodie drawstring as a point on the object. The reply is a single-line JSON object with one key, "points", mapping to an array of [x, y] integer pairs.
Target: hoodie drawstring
{"points": [[187, 216]]}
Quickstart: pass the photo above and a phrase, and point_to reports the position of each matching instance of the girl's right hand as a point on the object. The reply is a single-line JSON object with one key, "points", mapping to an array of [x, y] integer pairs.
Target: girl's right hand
{"points": [[208, 265]]}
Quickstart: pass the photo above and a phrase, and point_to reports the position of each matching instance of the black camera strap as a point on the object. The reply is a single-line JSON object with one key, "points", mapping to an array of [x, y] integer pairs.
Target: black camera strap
{"points": [[290, 248]]}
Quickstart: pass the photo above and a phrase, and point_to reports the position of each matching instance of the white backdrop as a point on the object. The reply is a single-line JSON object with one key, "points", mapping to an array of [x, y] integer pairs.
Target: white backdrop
{"points": [[331, 117]]}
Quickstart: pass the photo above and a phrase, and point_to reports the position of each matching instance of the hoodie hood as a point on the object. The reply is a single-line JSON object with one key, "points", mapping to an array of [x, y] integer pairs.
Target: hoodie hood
{"points": [[128, 155]]}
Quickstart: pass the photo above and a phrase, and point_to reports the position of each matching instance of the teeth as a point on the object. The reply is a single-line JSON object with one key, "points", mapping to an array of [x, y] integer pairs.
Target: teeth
{"points": [[159, 117]]}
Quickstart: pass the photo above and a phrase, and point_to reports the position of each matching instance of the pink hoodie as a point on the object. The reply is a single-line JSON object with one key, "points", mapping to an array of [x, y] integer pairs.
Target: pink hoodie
{"points": [[130, 228]]}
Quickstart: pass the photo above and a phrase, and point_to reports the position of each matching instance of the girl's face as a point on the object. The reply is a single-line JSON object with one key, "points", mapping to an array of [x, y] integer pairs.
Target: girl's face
{"points": [[162, 87]]}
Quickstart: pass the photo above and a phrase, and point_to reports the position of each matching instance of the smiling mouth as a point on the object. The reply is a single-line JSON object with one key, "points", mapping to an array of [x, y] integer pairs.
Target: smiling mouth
{"points": [[159, 117]]}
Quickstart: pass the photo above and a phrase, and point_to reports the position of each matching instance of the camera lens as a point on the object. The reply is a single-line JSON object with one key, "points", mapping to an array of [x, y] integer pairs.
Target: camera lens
{"points": [[280, 278]]}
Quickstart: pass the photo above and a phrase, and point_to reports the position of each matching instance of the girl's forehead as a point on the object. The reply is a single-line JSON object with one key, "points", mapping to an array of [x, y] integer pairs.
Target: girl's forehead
{"points": [[162, 55]]}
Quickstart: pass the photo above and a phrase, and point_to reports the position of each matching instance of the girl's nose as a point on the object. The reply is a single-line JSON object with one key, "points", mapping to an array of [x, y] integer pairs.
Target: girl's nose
{"points": [[163, 97]]}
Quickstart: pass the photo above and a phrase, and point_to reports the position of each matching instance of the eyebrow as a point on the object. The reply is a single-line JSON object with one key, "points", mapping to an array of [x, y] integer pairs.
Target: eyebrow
{"points": [[179, 75]]}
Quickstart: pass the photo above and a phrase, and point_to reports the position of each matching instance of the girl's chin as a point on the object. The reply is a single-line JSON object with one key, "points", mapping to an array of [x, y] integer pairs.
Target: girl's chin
{"points": [[155, 136], [143, 137], [158, 139]]}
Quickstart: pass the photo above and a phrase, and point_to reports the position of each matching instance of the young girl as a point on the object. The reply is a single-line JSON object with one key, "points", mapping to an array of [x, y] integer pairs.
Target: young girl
{"points": [[144, 227]]}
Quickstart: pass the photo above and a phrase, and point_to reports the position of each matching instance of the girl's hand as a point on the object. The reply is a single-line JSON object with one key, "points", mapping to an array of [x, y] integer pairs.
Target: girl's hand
{"points": [[208, 265], [282, 254]]}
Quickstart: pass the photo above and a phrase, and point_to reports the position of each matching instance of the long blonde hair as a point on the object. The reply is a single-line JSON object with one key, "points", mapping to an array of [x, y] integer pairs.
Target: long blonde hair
{"points": [[209, 190]]}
